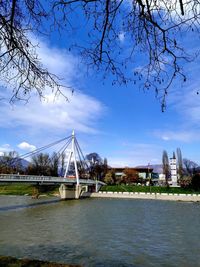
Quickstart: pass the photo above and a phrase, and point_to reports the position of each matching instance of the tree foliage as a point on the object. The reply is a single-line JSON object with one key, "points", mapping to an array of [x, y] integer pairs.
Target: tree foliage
{"points": [[109, 178], [151, 28]]}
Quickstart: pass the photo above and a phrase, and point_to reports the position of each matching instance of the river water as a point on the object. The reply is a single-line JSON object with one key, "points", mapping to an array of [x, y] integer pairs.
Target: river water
{"points": [[101, 232]]}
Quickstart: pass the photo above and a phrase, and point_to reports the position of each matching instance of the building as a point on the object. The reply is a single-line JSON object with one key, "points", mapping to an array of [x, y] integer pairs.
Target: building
{"points": [[143, 173], [173, 168]]}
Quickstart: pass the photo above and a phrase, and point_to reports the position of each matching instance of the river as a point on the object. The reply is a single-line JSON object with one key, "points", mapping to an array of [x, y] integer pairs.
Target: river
{"points": [[101, 232]]}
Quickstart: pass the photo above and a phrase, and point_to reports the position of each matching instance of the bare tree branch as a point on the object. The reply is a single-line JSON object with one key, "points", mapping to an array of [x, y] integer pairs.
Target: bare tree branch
{"points": [[151, 29]]}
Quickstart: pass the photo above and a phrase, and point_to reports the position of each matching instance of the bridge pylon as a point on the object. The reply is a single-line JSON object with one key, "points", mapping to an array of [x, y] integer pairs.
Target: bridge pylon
{"points": [[72, 157]]}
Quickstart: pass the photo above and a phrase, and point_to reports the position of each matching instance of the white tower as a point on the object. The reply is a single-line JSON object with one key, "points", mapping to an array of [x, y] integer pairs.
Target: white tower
{"points": [[173, 169]]}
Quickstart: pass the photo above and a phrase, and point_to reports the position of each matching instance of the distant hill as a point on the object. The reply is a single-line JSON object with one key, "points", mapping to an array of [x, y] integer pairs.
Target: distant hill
{"points": [[23, 162], [158, 168]]}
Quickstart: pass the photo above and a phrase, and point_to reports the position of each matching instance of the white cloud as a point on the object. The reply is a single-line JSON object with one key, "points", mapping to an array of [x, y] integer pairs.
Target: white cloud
{"points": [[58, 61], [184, 99], [80, 113], [5, 148], [181, 135], [54, 114], [121, 37], [26, 146]]}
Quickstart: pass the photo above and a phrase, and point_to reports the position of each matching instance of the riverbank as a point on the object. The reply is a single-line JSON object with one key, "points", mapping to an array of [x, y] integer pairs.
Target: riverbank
{"points": [[148, 189], [142, 195], [20, 189], [13, 262], [109, 191]]}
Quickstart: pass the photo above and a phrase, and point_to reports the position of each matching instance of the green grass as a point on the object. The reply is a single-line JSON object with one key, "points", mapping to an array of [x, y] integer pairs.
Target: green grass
{"points": [[23, 189], [152, 189]]}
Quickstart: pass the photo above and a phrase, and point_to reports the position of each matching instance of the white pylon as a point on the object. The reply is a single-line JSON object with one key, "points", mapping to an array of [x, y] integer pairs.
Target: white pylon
{"points": [[72, 154]]}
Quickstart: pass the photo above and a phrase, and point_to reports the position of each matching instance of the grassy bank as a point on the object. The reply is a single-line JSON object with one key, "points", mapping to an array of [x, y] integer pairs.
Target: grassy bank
{"points": [[152, 189], [13, 262], [26, 189]]}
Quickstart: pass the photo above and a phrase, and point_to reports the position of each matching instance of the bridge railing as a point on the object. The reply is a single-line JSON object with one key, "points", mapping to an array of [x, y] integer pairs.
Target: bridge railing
{"points": [[43, 179]]}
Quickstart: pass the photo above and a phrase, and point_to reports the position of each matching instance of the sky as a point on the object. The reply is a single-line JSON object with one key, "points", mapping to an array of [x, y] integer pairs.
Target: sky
{"points": [[121, 123]]}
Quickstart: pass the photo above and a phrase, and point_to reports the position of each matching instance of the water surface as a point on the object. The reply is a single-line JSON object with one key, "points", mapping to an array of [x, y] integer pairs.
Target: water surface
{"points": [[101, 232]]}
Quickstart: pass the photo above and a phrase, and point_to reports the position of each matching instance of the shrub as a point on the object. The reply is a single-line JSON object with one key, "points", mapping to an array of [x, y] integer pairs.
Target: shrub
{"points": [[185, 181], [196, 181]]}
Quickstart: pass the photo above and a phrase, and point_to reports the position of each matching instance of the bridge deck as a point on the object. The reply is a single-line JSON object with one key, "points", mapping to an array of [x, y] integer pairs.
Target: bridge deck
{"points": [[17, 178]]}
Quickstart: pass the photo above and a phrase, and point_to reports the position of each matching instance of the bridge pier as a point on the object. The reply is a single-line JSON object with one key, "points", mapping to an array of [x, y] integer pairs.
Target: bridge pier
{"points": [[70, 192]]}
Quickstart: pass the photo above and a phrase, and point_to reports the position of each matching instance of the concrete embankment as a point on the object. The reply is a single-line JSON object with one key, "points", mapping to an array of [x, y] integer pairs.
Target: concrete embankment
{"points": [[141, 195]]}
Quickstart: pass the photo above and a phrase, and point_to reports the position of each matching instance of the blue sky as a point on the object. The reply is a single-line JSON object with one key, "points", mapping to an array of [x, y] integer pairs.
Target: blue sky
{"points": [[122, 123]]}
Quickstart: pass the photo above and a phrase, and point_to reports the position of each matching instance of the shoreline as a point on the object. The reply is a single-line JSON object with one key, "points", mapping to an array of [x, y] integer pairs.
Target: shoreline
{"points": [[18, 262], [127, 195], [142, 195]]}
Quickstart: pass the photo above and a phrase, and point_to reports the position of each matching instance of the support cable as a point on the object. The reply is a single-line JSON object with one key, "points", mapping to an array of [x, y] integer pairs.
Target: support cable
{"points": [[28, 154], [81, 153]]}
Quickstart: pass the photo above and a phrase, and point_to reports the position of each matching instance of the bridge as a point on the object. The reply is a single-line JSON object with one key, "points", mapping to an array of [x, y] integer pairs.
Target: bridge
{"points": [[71, 187]]}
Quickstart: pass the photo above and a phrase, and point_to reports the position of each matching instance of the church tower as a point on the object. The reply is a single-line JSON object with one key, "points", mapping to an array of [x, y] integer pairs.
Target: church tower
{"points": [[173, 169]]}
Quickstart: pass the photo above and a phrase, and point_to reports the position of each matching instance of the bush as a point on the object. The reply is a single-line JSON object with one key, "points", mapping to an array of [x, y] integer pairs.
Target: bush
{"points": [[196, 181], [109, 178], [185, 181]]}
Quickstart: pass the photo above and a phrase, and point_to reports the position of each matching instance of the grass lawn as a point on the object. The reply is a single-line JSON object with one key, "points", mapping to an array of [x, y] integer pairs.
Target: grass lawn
{"points": [[152, 189], [23, 189]]}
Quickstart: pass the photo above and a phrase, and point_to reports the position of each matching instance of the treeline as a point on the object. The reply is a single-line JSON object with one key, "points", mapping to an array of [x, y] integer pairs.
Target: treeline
{"points": [[52, 165], [40, 164], [55, 164]]}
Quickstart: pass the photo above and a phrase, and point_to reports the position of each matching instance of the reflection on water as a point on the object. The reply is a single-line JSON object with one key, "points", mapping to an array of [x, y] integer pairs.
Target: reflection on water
{"points": [[101, 232], [27, 205]]}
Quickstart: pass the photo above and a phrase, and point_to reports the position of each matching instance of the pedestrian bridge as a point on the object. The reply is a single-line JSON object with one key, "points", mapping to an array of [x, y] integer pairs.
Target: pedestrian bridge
{"points": [[69, 189]]}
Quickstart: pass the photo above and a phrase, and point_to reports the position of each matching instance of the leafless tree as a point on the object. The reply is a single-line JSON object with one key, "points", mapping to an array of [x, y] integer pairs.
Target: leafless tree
{"points": [[20, 67], [179, 162], [190, 166], [151, 28], [10, 163]]}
